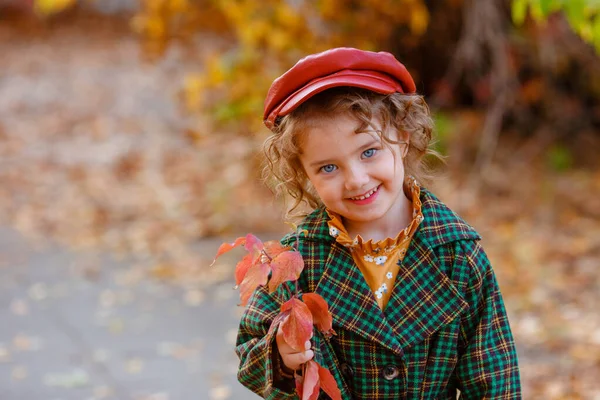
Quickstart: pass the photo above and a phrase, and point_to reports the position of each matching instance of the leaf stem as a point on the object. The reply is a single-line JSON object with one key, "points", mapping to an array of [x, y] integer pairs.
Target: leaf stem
{"points": [[266, 255], [291, 293], [297, 234]]}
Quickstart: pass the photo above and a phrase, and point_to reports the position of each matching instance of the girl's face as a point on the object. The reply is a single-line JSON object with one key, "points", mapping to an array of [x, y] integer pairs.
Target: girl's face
{"points": [[355, 174]]}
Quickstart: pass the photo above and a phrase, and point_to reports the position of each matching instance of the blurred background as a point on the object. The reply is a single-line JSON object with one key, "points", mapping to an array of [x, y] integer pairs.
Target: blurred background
{"points": [[129, 150]]}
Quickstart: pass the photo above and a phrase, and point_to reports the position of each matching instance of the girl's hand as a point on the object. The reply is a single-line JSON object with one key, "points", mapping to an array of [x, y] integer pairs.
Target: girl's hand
{"points": [[291, 358]]}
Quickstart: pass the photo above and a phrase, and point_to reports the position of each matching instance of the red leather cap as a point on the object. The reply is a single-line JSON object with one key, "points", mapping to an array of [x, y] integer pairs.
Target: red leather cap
{"points": [[344, 66]]}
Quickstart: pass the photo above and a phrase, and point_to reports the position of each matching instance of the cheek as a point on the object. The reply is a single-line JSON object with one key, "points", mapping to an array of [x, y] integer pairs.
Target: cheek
{"points": [[397, 162], [326, 189], [390, 167]]}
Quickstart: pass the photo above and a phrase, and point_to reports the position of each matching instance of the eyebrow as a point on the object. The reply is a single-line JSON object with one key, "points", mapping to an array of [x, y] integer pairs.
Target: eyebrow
{"points": [[365, 146], [377, 131]]}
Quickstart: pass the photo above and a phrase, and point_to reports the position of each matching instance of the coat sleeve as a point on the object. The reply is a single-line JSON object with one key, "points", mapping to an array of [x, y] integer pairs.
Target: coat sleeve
{"points": [[255, 346], [487, 367]]}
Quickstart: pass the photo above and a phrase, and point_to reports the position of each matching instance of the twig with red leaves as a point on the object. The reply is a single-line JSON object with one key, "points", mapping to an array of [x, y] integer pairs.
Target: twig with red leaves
{"points": [[271, 264]]}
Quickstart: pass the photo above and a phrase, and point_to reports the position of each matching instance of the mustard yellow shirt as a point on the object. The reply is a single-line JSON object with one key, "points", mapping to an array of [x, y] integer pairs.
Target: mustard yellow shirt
{"points": [[379, 261]]}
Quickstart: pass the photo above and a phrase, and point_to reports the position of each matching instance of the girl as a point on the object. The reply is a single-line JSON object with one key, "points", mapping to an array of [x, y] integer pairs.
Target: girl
{"points": [[415, 303]]}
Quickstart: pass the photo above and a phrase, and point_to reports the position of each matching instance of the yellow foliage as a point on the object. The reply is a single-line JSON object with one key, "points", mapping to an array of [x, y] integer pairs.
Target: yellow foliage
{"points": [[269, 36], [215, 71], [155, 27], [582, 15], [192, 93], [279, 40], [49, 7], [328, 8], [178, 6], [419, 20], [153, 6], [286, 15], [585, 31], [233, 10]]}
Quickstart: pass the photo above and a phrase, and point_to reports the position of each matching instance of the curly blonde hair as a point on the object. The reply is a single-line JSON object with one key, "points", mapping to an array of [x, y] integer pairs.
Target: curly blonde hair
{"points": [[409, 113]]}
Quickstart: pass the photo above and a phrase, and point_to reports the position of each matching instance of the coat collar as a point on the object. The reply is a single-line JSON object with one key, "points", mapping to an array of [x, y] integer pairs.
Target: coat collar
{"points": [[423, 298], [440, 225]]}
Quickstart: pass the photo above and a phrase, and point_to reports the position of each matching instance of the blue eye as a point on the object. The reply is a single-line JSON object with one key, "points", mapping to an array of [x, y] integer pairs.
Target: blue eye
{"points": [[328, 168], [369, 153]]}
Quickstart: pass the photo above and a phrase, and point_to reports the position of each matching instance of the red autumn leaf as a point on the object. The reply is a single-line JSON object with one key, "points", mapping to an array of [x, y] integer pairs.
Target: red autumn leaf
{"points": [[320, 311], [287, 266], [277, 320], [273, 248], [297, 327], [328, 384], [310, 387], [257, 275], [225, 247], [253, 244], [242, 267]]}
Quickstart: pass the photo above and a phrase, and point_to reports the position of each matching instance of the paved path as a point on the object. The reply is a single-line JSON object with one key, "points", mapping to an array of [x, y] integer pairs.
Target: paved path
{"points": [[80, 326], [83, 326]]}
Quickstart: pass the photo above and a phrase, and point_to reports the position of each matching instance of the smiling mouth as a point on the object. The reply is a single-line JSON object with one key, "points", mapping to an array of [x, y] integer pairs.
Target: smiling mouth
{"points": [[366, 195]]}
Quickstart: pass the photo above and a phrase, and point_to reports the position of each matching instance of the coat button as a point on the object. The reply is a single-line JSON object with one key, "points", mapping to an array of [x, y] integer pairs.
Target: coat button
{"points": [[390, 372], [347, 370]]}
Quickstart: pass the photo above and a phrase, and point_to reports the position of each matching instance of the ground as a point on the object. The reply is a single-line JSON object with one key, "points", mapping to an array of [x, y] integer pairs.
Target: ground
{"points": [[85, 326]]}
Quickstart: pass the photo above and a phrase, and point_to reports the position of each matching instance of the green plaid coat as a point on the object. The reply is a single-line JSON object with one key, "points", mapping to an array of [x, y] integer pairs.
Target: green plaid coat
{"points": [[444, 328]]}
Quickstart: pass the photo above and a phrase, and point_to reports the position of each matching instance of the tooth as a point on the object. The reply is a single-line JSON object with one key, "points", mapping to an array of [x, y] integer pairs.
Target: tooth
{"points": [[366, 196]]}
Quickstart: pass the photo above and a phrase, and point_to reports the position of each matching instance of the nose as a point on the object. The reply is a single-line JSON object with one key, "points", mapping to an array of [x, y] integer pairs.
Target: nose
{"points": [[356, 178]]}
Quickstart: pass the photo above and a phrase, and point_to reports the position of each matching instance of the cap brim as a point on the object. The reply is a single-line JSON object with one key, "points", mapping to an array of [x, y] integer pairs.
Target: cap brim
{"points": [[371, 80]]}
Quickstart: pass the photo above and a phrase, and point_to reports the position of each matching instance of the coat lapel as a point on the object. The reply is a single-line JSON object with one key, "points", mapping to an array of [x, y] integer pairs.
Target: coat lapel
{"points": [[423, 298]]}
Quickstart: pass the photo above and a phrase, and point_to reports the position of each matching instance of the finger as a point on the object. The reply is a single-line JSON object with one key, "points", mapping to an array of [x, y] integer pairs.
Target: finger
{"points": [[295, 361], [285, 348]]}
